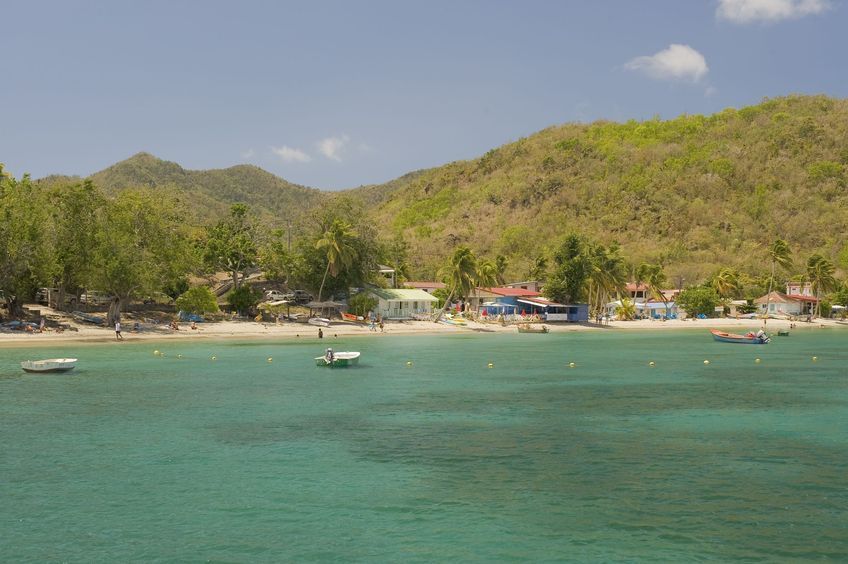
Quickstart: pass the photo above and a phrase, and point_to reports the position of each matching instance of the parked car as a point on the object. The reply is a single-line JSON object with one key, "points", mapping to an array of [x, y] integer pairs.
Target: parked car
{"points": [[276, 296], [95, 298], [302, 296]]}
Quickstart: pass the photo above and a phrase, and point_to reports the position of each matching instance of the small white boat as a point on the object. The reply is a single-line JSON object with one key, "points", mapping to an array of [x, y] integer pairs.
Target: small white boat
{"points": [[346, 358], [319, 321], [49, 365]]}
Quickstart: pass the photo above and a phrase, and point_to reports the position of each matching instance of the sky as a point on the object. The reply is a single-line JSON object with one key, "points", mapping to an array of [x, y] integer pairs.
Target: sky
{"points": [[338, 94]]}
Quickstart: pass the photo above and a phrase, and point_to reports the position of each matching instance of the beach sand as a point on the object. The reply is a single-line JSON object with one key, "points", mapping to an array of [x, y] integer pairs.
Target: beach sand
{"points": [[246, 330]]}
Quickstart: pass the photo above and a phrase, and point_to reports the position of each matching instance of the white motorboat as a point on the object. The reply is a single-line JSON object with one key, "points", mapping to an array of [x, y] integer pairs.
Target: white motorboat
{"points": [[49, 365], [345, 358], [319, 321]]}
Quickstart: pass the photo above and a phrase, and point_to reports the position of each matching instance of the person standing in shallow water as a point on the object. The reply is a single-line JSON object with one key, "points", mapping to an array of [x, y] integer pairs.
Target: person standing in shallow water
{"points": [[320, 333], [118, 336]]}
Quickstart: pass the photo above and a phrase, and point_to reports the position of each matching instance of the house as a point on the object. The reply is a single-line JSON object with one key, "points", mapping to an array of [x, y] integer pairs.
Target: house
{"points": [[552, 311], [641, 293], [402, 303], [532, 285], [388, 273], [428, 287], [509, 295], [785, 304]]}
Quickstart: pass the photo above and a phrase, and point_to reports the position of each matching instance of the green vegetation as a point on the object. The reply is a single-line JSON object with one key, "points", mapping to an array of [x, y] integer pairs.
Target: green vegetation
{"points": [[362, 303], [716, 200], [699, 300], [199, 300]]}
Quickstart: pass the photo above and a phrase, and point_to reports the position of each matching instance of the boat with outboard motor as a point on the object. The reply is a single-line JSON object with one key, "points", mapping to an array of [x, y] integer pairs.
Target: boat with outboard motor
{"points": [[337, 359], [758, 338]]}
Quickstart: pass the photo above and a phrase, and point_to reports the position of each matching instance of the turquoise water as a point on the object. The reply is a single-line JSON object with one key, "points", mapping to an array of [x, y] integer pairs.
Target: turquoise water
{"points": [[140, 457]]}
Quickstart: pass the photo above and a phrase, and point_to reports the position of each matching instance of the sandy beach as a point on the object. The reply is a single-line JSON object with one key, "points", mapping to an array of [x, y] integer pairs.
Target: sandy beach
{"points": [[243, 330]]}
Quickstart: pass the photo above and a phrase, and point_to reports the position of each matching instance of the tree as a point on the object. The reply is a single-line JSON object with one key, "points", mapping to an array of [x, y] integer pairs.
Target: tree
{"points": [[338, 245], [140, 247], [199, 300], [820, 272], [362, 303], [75, 211], [487, 273], [501, 264], [278, 262], [780, 255], [538, 270], [698, 300], [726, 282], [243, 298], [627, 310], [607, 275], [230, 244], [572, 269], [459, 275], [653, 276], [27, 260]]}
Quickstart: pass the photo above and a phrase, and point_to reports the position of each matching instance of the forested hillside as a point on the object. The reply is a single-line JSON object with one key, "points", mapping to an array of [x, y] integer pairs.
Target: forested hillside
{"points": [[694, 193], [210, 193]]}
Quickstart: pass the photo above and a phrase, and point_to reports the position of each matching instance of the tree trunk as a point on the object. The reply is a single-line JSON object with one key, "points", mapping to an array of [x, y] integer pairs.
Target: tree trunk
{"points": [[15, 308], [444, 307], [115, 308], [768, 295], [235, 276], [323, 280]]}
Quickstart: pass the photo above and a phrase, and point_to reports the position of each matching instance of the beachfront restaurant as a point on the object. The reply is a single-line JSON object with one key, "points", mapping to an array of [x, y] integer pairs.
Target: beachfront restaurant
{"points": [[402, 303], [552, 311]]}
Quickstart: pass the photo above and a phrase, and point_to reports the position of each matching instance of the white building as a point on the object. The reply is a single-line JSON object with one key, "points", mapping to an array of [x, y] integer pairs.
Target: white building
{"points": [[402, 303]]}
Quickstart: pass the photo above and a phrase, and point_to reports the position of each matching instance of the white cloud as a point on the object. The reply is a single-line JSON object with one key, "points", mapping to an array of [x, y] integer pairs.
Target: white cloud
{"points": [[249, 154], [333, 147], [678, 62], [290, 155], [747, 11]]}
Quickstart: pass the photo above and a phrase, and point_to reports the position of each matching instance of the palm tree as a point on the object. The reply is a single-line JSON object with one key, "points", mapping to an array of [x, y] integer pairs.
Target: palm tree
{"points": [[487, 273], [726, 283], [501, 262], [338, 243], [653, 276], [820, 272], [460, 276], [780, 255], [607, 275], [627, 310]]}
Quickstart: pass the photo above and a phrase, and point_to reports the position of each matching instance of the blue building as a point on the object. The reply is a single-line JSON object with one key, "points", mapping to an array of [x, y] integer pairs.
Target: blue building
{"points": [[552, 311]]}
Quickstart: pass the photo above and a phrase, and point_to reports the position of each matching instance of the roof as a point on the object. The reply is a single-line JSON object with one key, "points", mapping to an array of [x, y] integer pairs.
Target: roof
{"points": [[780, 298], [424, 284], [404, 294], [511, 284], [541, 302], [632, 287], [516, 292]]}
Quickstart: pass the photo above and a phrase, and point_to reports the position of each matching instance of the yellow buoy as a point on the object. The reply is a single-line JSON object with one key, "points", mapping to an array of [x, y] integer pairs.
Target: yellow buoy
{"points": [[757, 360], [491, 365], [409, 363], [156, 353], [270, 359], [706, 362], [815, 358], [652, 363], [571, 365], [214, 357]]}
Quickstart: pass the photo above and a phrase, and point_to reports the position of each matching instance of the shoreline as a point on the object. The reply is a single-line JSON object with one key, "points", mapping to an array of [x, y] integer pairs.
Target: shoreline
{"points": [[242, 330]]}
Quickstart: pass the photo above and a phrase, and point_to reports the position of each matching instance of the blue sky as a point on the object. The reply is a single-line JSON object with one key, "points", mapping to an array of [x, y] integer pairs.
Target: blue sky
{"points": [[340, 94]]}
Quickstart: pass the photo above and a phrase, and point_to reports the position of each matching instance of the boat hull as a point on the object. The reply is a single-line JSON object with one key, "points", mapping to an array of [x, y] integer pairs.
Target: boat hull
{"points": [[319, 321], [49, 365], [723, 337], [340, 360]]}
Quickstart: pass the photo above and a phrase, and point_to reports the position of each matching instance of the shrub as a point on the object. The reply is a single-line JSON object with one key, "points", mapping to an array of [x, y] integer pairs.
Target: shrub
{"points": [[199, 300], [243, 299], [698, 300], [362, 303]]}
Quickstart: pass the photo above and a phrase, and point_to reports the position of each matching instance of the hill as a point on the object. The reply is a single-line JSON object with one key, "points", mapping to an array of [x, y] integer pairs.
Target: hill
{"points": [[695, 192], [210, 192]]}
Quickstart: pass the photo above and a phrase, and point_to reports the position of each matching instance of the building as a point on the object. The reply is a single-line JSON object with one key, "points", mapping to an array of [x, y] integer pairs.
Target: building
{"points": [[402, 303], [785, 304], [552, 311], [428, 287], [532, 285]]}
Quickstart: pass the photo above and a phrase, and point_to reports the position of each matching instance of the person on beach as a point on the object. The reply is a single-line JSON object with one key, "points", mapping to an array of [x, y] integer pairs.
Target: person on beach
{"points": [[118, 336], [41, 325], [320, 333]]}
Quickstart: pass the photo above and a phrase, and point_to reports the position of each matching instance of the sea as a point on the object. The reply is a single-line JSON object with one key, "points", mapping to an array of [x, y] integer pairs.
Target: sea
{"points": [[561, 447]]}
